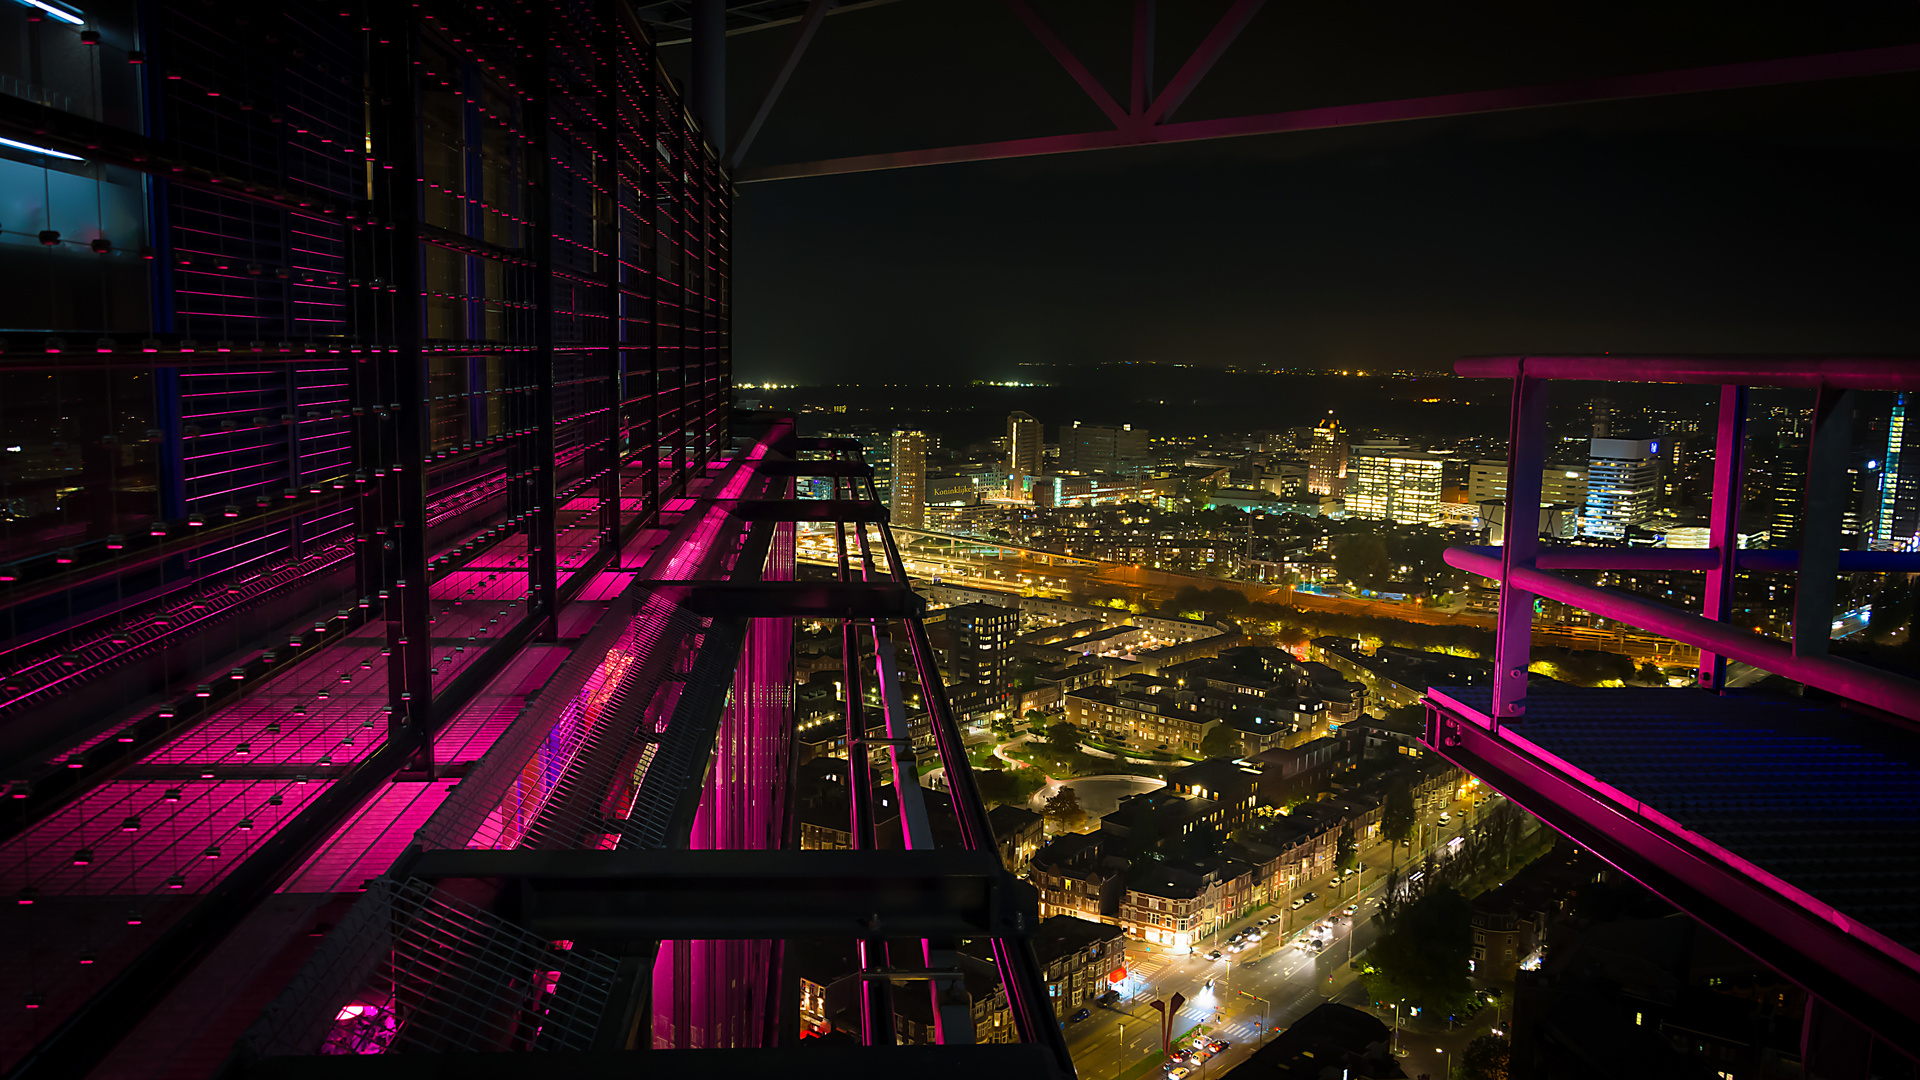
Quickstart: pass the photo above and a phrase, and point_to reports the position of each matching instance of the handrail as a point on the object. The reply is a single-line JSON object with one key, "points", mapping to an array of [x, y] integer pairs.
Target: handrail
{"points": [[1762, 560], [1809, 372], [1871, 686]]}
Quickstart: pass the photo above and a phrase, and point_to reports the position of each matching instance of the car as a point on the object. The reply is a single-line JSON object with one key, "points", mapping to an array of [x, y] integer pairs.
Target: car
{"points": [[1214, 955], [1311, 896], [1445, 817], [1299, 902], [1353, 909], [1200, 1055], [1082, 1015], [1218, 1045], [1178, 1072]]}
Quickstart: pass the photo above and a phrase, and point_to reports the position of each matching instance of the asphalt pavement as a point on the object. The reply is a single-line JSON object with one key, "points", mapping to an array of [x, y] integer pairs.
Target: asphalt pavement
{"points": [[1255, 992]]}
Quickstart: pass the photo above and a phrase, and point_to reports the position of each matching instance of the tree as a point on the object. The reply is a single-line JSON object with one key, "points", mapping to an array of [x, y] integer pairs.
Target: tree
{"points": [[1487, 1058], [1421, 957], [1063, 736], [997, 786], [1034, 716], [1396, 810], [1222, 741], [1362, 559], [1348, 853], [1064, 810]]}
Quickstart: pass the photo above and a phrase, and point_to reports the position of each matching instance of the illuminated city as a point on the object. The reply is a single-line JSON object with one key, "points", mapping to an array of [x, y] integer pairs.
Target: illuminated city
{"points": [[1210, 538]]}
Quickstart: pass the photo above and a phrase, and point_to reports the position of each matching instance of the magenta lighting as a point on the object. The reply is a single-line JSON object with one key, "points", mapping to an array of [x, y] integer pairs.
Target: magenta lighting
{"points": [[1737, 805]]}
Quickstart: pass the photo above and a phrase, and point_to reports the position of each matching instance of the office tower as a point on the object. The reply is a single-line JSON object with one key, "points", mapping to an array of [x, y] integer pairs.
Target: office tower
{"points": [[1623, 479], [1105, 448], [1859, 519], [1787, 495], [1394, 483], [1024, 444], [1327, 459], [907, 501], [1899, 486], [1602, 417], [1560, 482]]}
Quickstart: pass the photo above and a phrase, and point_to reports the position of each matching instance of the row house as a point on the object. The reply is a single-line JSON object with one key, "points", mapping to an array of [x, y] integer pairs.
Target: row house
{"points": [[1167, 906], [1077, 956], [1074, 878], [1142, 711], [1175, 905]]}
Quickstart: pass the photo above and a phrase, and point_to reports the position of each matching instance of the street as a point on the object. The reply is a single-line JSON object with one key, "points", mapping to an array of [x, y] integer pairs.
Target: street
{"points": [[1259, 990]]}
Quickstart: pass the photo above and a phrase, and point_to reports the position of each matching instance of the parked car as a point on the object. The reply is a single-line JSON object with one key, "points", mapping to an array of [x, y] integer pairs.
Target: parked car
{"points": [[1082, 1015], [1311, 896], [1299, 902]]}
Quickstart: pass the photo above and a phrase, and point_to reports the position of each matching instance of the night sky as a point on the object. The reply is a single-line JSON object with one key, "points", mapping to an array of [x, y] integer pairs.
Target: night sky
{"points": [[1773, 220]]}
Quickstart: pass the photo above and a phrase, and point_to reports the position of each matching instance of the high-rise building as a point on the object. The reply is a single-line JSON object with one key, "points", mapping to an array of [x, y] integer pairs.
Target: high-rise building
{"points": [[1602, 417], [1899, 485], [1560, 482], [907, 500], [1394, 483], [1024, 443], [1327, 459], [1787, 496], [1623, 481], [1105, 448]]}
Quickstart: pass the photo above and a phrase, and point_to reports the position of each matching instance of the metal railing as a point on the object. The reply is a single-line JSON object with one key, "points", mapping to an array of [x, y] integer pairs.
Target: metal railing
{"points": [[1523, 568]]}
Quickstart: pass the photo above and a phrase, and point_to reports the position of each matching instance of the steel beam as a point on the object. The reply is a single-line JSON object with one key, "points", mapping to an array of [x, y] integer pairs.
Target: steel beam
{"points": [[1826, 498], [678, 895], [1058, 49], [1141, 89], [543, 571], [856, 469], [841, 1062], [800, 599], [1893, 694], [402, 536], [1729, 471], [1204, 56], [841, 510], [710, 72], [1862, 981], [1803, 372], [1513, 627], [1794, 69], [606, 146], [1684, 560], [802, 37]]}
